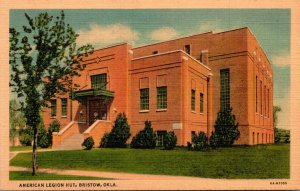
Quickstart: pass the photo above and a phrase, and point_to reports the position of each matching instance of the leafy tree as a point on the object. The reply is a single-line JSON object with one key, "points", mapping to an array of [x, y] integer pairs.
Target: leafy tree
{"points": [[276, 110], [226, 128], [16, 120], [120, 132], [43, 59], [145, 139]]}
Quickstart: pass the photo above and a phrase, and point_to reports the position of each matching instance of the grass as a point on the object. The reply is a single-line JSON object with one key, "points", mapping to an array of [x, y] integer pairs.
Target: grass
{"points": [[24, 175], [243, 162]]}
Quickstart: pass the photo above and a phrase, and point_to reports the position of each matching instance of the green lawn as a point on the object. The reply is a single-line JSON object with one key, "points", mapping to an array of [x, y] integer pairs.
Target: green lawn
{"points": [[244, 162], [23, 175]]}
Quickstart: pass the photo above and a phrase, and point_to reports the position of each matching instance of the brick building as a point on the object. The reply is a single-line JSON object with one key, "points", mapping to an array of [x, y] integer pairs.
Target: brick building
{"points": [[179, 85]]}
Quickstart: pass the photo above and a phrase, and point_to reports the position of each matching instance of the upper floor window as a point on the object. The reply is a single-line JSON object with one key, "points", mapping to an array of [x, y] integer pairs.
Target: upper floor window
{"points": [[256, 101], [144, 99], [64, 106], [53, 108], [162, 97], [225, 89], [99, 81], [187, 48], [193, 97], [201, 102]]}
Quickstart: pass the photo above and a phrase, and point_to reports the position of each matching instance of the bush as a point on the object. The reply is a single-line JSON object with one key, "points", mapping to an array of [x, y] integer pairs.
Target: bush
{"points": [[104, 140], [199, 142], [88, 143], [145, 139], [226, 128], [42, 137], [53, 127], [170, 140], [43, 142], [120, 132], [25, 139], [213, 140]]}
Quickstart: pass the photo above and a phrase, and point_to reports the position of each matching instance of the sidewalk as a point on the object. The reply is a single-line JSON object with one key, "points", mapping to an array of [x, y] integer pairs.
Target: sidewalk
{"points": [[110, 175]]}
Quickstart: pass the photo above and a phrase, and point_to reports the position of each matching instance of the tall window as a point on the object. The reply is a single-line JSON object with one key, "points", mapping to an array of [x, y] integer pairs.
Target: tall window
{"points": [[225, 90], [64, 106], [53, 107], [268, 109], [99, 81], [261, 90], [256, 101], [265, 101], [193, 97], [187, 49], [201, 102], [162, 97], [144, 99]]}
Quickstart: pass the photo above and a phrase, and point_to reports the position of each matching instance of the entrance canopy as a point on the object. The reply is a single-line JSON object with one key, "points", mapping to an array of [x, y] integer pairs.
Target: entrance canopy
{"points": [[82, 94]]}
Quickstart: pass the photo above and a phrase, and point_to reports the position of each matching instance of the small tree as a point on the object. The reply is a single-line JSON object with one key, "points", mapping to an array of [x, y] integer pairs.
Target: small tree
{"points": [[43, 60], [276, 110], [145, 139], [213, 140], [226, 128], [120, 132], [170, 140], [16, 120]]}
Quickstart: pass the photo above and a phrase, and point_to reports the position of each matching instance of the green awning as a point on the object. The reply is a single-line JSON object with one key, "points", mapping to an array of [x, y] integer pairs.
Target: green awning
{"points": [[93, 92]]}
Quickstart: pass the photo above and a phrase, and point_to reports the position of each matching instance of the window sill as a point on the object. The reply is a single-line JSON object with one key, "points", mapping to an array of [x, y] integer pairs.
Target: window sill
{"points": [[193, 112], [144, 111], [63, 116], [161, 110], [201, 113], [53, 117]]}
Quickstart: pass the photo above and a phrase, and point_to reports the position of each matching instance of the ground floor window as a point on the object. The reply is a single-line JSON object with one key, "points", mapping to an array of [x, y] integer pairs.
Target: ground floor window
{"points": [[162, 97], [160, 138], [144, 99], [253, 138]]}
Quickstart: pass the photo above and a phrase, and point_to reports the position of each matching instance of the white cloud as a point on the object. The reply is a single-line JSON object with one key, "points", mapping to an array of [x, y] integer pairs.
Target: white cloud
{"points": [[282, 60], [164, 33], [100, 35], [214, 26]]}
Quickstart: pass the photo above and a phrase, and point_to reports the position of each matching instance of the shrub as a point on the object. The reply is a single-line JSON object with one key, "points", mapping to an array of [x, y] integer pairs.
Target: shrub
{"points": [[199, 142], [88, 143], [53, 127], [120, 132], [43, 142], [226, 128], [42, 137], [170, 140], [25, 139], [213, 140], [104, 140], [145, 139]]}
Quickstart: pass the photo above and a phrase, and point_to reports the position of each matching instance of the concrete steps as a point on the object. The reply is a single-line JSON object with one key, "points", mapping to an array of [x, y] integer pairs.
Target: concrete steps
{"points": [[72, 143]]}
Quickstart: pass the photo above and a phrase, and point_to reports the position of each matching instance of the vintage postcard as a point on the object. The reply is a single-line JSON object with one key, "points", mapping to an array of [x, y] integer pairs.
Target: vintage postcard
{"points": [[149, 95]]}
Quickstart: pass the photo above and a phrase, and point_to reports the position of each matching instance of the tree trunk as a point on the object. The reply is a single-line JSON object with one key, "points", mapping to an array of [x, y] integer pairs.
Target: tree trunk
{"points": [[34, 151]]}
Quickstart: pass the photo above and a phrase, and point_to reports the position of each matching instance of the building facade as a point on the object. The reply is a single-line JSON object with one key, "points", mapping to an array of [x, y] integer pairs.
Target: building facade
{"points": [[179, 85]]}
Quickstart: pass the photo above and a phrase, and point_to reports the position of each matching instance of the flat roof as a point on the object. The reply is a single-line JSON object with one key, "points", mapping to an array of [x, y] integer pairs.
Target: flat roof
{"points": [[170, 52]]}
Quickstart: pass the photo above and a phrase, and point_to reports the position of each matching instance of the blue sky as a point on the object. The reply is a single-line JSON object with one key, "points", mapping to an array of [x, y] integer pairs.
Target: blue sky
{"points": [[107, 26]]}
